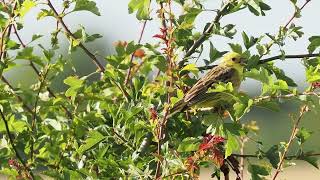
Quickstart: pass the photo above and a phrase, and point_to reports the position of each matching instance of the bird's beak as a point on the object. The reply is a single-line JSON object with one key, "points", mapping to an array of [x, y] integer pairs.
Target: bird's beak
{"points": [[243, 61]]}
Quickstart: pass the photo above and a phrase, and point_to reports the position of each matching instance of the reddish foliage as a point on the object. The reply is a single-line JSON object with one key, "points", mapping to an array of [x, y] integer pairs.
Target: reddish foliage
{"points": [[153, 114], [163, 36], [191, 164], [14, 164], [209, 145], [217, 156], [316, 85], [210, 141]]}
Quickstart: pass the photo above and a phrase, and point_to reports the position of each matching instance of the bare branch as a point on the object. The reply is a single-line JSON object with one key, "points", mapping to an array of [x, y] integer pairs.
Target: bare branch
{"points": [[70, 34], [11, 139], [206, 32], [132, 56], [303, 110]]}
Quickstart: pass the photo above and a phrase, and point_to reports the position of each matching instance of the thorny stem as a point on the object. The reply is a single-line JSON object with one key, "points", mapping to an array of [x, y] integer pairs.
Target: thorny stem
{"points": [[24, 164], [132, 55], [303, 110], [169, 52], [70, 34]]}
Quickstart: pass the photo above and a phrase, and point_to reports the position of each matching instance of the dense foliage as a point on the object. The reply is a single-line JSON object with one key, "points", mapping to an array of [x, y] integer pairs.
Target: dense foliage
{"points": [[119, 125]]}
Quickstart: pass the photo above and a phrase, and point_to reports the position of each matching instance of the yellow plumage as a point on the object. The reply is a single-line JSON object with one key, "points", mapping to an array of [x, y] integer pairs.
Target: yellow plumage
{"points": [[229, 70]]}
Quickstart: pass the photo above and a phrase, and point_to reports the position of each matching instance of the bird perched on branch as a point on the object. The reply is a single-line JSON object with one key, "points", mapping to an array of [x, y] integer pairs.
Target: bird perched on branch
{"points": [[229, 70]]}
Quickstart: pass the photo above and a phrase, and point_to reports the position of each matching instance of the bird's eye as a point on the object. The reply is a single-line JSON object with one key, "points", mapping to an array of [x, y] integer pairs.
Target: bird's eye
{"points": [[233, 59]]}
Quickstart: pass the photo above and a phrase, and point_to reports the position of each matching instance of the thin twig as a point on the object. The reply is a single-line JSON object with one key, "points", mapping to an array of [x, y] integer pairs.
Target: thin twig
{"points": [[294, 56], [243, 140], [24, 164], [34, 119], [206, 32], [262, 61], [294, 15], [303, 110], [169, 53], [286, 157], [286, 96], [33, 66], [270, 44], [132, 55], [70, 34], [25, 106]]}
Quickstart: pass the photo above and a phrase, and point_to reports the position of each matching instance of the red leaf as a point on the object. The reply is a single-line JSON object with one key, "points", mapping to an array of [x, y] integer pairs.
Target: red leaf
{"points": [[217, 157], [316, 85]]}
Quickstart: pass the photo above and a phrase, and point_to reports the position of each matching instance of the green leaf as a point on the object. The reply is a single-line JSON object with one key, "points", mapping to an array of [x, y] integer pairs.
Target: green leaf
{"points": [[241, 107], [245, 39], [191, 68], [53, 123], [86, 5], [142, 8], [271, 105], [44, 13], [75, 83], [313, 73], [264, 6], [258, 7], [248, 42], [273, 155], [81, 34], [231, 145], [314, 43], [294, 1], [261, 75], [9, 172], [189, 144], [131, 47], [234, 128], [26, 6], [187, 20], [35, 37], [257, 170], [12, 45], [254, 8], [262, 49], [214, 53], [236, 48], [27, 54], [94, 138], [302, 135]]}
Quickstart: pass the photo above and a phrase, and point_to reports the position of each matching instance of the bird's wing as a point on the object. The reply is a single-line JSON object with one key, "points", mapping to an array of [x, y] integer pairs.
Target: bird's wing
{"points": [[216, 74]]}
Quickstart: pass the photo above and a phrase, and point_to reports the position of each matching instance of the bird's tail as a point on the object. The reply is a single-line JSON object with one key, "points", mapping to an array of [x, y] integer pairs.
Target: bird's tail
{"points": [[178, 107]]}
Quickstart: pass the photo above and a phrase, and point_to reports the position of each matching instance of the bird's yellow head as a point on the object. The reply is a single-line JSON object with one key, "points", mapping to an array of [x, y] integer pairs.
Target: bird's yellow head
{"points": [[233, 60]]}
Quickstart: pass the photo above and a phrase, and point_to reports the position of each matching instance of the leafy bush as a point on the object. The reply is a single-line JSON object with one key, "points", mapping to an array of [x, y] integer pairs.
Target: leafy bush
{"points": [[120, 124]]}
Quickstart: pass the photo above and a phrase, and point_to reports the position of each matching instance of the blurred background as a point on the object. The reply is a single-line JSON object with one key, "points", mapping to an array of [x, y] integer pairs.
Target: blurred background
{"points": [[116, 24]]}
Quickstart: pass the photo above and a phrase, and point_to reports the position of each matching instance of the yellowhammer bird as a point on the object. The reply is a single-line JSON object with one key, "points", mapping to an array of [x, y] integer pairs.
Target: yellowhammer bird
{"points": [[229, 70]]}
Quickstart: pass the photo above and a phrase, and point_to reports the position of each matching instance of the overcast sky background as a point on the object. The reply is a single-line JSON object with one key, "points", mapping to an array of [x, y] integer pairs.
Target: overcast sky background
{"points": [[116, 24]]}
